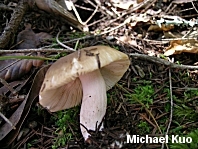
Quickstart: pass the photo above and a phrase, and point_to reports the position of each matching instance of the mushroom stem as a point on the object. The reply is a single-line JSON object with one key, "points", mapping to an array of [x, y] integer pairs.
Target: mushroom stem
{"points": [[94, 102]]}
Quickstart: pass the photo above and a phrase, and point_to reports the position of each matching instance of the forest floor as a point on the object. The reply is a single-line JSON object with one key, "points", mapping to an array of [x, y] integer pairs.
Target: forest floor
{"points": [[157, 96]]}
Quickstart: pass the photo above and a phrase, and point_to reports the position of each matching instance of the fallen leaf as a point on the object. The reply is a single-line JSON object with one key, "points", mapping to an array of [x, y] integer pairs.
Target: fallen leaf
{"points": [[135, 19], [53, 7], [67, 4], [28, 38], [13, 69], [163, 27], [180, 46], [43, 36], [7, 134], [127, 40], [123, 4], [3, 105]]}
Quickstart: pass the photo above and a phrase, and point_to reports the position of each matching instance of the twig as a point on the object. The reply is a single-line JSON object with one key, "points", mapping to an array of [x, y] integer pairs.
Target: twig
{"points": [[13, 25], [72, 131], [147, 110], [68, 49], [58, 10], [91, 15], [171, 110], [35, 50], [162, 61], [5, 8], [194, 7], [8, 86], [122, 24], [148, 6], [171, 96], [48, 48], [60, 43], [130, 11], [103, 10], [168, 8], [76, 13], [7, 120], [99, 20], [82, 38], [85, 8], [78, 16]]}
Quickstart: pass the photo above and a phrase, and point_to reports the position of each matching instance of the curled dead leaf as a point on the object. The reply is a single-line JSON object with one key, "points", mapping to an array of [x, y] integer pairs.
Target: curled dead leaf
{"points": [[7, 134], [13, 69], [162, 28], [180, 46]]}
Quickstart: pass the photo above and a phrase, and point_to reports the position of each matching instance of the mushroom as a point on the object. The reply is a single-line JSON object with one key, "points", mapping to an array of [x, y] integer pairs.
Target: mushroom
{"points": [[83, 75]]}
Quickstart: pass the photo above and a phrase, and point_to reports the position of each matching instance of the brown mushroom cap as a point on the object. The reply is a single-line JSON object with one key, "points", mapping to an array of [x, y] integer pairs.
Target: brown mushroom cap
{"points": [[62, 88]]}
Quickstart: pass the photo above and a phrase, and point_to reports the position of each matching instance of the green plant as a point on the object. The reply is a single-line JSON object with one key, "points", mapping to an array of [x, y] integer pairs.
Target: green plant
{"points": [[190, 94], [116, 47], [62, 140], [59, 55], [192, 145], [183, 111], [62, 121], [144, 93], [178, 62], [29, 145], [74, 35], [143, 127]]}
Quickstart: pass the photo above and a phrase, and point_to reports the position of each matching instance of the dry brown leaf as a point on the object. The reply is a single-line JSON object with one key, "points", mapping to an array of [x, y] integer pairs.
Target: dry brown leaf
{"points": [[29, 40], [67, 4], [162, 28], [127, 40], [139, 18], [53, 7], [7, 134], [123, 4], [42, 36], [180, 46], [3, 105]]}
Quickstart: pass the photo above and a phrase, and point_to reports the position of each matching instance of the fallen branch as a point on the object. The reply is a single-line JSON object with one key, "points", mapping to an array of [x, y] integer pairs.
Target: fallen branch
{"points": [[11, 28], [171, 110], [162, 61], [35, 50]]}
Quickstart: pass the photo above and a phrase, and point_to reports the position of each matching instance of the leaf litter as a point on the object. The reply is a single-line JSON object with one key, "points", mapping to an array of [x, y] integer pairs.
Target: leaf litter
{"points": [[160, 29]]}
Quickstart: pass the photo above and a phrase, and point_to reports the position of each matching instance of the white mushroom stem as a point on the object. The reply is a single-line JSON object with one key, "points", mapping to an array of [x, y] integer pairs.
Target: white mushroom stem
{"points": [[94, 102]]}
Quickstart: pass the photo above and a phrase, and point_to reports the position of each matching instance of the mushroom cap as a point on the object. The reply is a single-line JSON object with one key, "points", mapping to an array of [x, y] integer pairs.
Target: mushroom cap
{"points": [[62, 89]]}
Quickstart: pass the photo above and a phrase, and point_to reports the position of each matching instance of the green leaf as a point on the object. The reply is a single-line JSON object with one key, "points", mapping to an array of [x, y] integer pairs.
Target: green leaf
{"points": [[24, 57]]}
